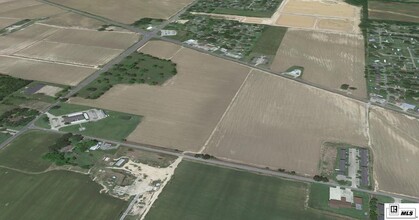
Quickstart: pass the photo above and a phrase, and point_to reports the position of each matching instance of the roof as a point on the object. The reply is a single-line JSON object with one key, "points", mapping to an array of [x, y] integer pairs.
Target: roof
{"points": [[358, 200], [74, 118], [336, 193]]}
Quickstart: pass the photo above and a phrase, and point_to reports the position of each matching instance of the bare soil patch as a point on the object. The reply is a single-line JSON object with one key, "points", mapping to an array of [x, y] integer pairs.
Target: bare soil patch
{"points": [[44, 71], [395, 145], [296, 21], [182, 113], [130, 11], [166, 50], [280, 123], [34, 11], [335, 24], [320, 8], [328, 59]]}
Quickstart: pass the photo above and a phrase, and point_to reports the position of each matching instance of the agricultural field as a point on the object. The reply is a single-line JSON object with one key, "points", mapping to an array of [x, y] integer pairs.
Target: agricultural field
{"points": [[27, 9], [133, 10], [394, 10], [5, 22], [73, 20], [262, 126], [28, 157], [229, 194], [253, 8], [137, 68], [4, 137], [57, 195], [329, 60], [42, 53], [181, 113], [393, 63], [394, 140]]}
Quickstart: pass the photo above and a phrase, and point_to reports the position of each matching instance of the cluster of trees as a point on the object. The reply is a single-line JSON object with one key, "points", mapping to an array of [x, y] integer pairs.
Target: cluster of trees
{"points": [[17, 117], [136, 68], [319, 178], [55, 154], [10, 84], [204, 156], [292, 172], [373, 208]]}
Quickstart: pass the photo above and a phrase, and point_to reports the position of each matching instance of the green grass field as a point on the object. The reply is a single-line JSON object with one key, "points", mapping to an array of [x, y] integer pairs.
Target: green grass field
{"points": [[319, 199], [54, 195], [199, 192], [65, 108], [268, 43], [25, 152], [4, 137]]}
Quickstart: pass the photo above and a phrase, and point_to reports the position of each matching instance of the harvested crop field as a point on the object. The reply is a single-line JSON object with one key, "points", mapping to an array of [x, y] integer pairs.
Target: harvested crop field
{"points": [[5, 22], [69, 53], [280, 123], [397, 11], [329, 60], [18, 40], [321, 8], [183, 112], [133, 10], [113, 40], [44, 71], [335, 24], [296, 21], [73, 20], [32, 12], [395, 145]]}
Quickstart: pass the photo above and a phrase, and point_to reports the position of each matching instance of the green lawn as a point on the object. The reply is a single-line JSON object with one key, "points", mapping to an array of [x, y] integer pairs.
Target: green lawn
{"points": [[25, 152], [199, 192], [4, 137], [43, 122], [64, 108], [117, 126], [270, 40], [54, 195], [319, 199]]}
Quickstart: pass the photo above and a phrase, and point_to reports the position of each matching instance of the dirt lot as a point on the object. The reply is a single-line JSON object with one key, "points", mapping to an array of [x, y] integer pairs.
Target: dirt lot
{"points": [[280, 123], [69, 53], [182, 113], [74, 20], [328, 59], [395, 145], [44, 71], [397, 11], [131, 10]]}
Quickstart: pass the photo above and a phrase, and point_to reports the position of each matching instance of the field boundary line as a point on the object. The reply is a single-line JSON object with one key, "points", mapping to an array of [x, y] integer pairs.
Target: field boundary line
{"points": [[226, 111], [48, 61], [176, 53]]}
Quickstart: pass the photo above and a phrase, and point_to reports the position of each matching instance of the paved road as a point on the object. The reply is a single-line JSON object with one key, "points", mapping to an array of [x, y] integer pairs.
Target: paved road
{"points": [[229, 164]]}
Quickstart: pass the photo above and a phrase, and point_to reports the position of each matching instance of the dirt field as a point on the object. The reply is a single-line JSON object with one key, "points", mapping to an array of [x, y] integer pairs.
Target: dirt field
{"points": [[280, 123], [328, 59], [69, 53], [166, 49], [5, 22], [182, 113], [74, 20], [113, 40], [296, 21], [131, 10], [31, 12], [18, 40], [393, 11], [43, 71], [8, 6], [395, 145], [335, 24]]}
